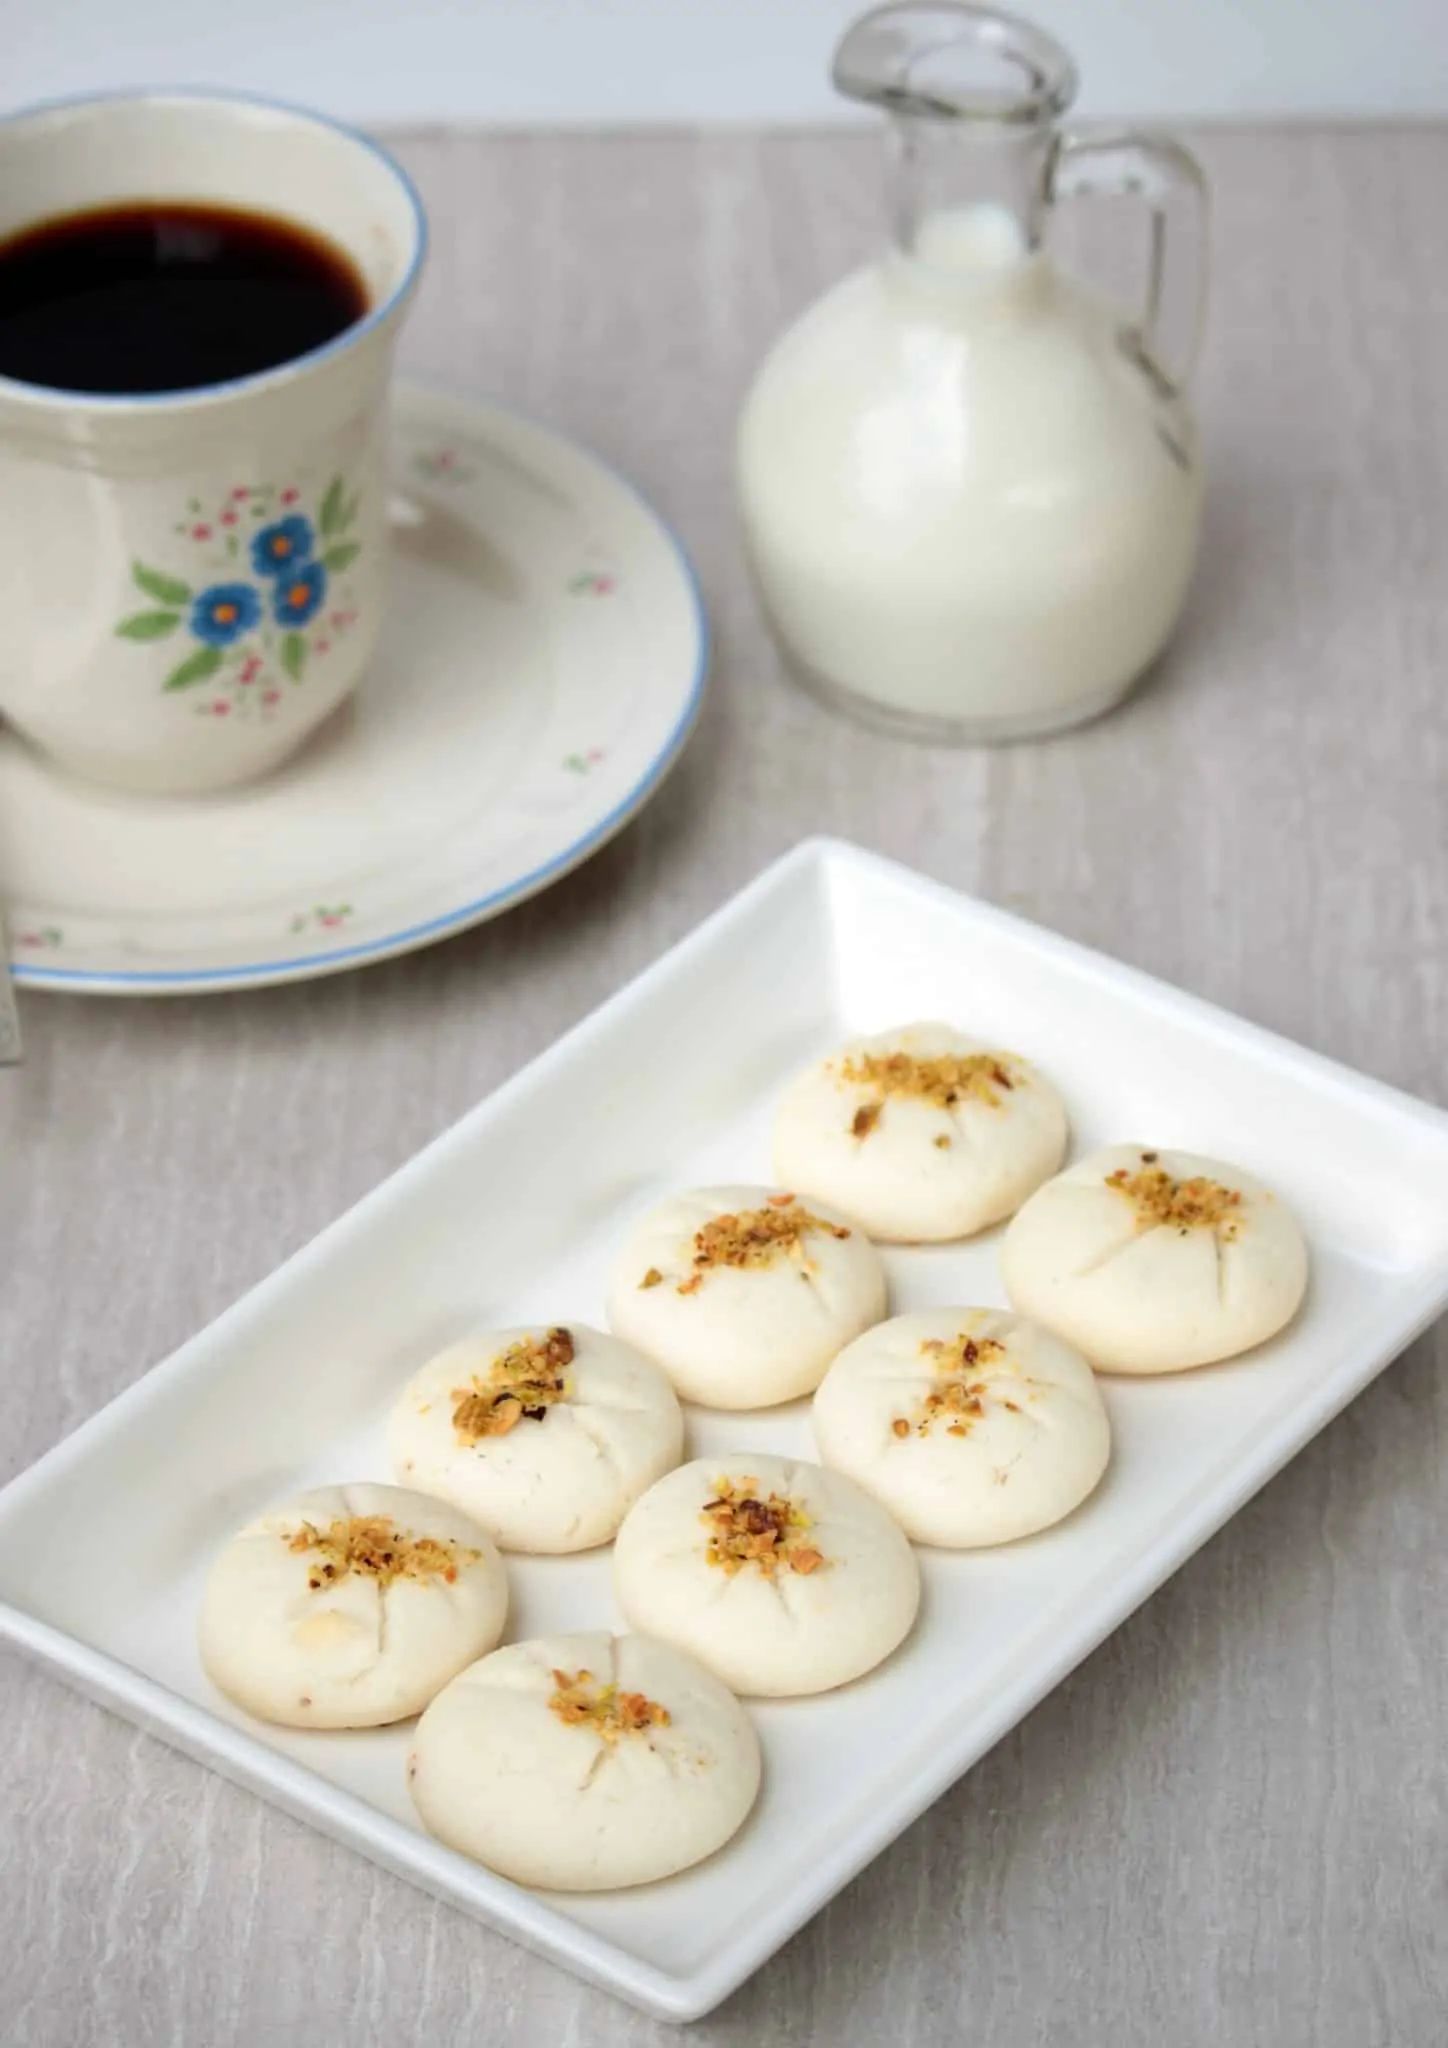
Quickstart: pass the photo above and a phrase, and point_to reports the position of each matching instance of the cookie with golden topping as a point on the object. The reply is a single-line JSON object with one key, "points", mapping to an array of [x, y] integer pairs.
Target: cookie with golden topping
{"points": [[1153, 1262], [920, 1134]]}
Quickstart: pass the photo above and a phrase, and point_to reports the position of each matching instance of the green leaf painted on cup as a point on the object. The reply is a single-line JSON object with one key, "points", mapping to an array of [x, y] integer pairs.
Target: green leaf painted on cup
{"points": [[341, 556], [294, 655], [332, 517], [350, 511], [148, 625], [195, 669], [169, 589]]}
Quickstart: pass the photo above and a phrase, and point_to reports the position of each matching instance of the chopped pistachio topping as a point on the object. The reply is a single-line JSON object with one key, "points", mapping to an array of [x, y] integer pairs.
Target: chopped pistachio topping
{"points": [[957, 1400], [771, 1533], [946, 1081], [522, 1383], [375, 1548], [578, 1700], [1195, 1204], [755, 1238]]}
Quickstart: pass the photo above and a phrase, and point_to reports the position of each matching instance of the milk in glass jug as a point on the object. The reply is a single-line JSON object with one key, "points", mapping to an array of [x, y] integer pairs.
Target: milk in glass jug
{"points": [[970, 486]]}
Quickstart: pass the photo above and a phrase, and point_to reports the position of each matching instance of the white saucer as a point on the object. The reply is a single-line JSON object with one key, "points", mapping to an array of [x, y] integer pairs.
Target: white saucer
{"points": [[542, 667]]}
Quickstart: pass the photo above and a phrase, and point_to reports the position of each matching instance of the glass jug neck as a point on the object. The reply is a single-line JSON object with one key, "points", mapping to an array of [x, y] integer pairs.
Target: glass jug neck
{"points": [[969, 199], [973, 94]]}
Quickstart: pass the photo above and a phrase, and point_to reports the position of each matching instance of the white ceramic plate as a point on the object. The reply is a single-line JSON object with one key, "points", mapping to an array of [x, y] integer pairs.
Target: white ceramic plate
{"points": [[672, 1082], [541, 669]]}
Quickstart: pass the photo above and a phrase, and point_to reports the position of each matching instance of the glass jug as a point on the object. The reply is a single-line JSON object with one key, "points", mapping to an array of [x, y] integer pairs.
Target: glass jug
{"points": [[970, 487]]}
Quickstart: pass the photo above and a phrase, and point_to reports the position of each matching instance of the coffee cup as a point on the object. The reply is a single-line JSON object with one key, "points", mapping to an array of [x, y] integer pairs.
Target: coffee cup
{"points": [[193, 579]]}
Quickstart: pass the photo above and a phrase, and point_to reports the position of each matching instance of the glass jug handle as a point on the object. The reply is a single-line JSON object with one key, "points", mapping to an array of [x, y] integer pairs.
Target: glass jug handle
{"points": [[1168, 177]]}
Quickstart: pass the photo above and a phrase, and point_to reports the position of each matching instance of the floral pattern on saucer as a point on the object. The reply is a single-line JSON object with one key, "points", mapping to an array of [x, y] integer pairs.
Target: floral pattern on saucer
{"points": [[264, 596], [593, 583], [443, 466], [322, 917]]}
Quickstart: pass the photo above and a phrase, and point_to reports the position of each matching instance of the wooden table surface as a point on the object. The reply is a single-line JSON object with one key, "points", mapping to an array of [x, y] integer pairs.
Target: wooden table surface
{"points": [[1230, 1827]]}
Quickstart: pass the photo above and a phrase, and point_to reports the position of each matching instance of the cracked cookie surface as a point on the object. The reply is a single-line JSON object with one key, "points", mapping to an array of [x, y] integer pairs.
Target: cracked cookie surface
{"points": [[546, 1434], [350, 1607], [743, 1293], [921, 1133], [780, 1576], [585, 1762], [971, 1426], [1155, 1261]]}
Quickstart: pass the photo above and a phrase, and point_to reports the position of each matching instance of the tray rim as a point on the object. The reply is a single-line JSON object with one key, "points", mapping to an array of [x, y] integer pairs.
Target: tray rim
{"points": [[522, 1915]]}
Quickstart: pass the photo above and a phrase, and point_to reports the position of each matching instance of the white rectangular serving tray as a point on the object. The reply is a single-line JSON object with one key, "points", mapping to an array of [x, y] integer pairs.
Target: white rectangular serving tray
{"points": [[511, 1217]]}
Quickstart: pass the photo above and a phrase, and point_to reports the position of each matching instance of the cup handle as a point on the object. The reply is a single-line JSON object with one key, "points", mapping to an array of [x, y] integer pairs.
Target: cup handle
{"points": [[1164, 173]]}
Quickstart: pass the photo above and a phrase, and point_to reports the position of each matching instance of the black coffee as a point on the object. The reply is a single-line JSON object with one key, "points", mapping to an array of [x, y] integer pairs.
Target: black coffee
{"points": [[162, 296]]}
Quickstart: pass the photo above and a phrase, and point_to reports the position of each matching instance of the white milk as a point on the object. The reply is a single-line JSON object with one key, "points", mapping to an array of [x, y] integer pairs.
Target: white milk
{"points": [[965, 500]]}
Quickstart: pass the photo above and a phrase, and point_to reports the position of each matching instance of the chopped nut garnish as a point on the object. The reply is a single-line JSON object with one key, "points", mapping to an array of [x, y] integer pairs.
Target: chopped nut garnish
{"points": [[957, 1400], [375, 1548], [963, 1351], [1195, 1204], [754, 1237], [945, 1081], [611, 1714], [942, 1143], [653, 1278], [746, 1530], [523, 1383]]}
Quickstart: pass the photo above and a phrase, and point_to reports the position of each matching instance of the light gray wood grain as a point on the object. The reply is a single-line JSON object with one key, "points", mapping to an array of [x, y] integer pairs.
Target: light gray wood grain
{"points": [[1229, 1828]]}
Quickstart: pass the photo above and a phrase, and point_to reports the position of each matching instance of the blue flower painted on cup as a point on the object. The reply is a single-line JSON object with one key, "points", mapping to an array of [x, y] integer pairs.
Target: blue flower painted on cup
{"points": [[283, 545], [225, 634], [224, 612], [299, 595]]}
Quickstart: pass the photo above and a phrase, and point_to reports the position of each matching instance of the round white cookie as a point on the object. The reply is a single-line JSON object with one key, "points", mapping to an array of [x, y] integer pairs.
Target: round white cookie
{"points": [[780, 1576], [547, 1436], [350, 1607], [744, 1294], [971, 1426], [585, 1762], [921, 1134], [1154, 1261]]}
